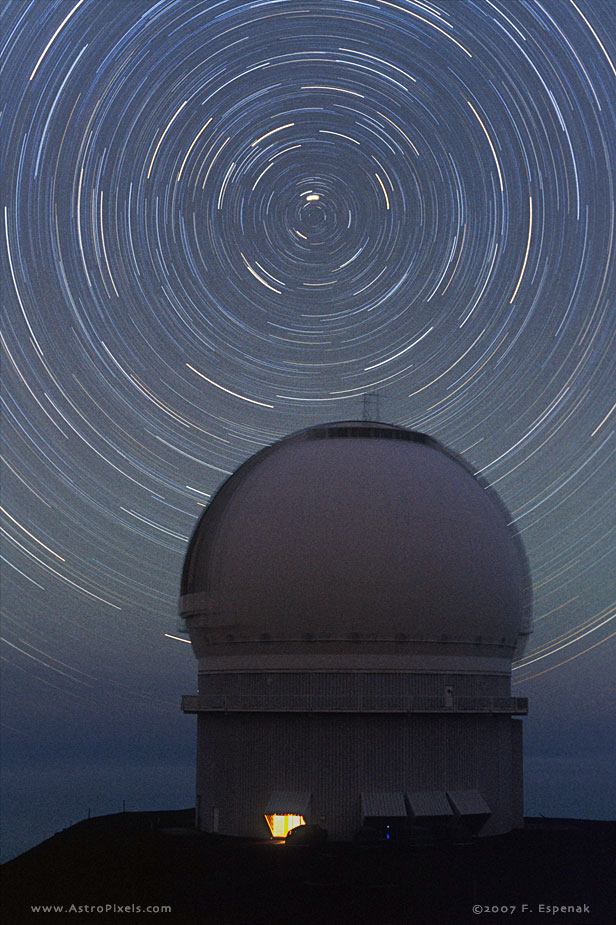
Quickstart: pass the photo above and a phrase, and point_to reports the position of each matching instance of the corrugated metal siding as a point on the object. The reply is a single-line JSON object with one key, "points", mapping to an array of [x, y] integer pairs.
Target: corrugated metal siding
{"points": [[242, 758], [282, 802], [386, 805], [353, 690], [345, 684], [517, 781], [430, 803]]}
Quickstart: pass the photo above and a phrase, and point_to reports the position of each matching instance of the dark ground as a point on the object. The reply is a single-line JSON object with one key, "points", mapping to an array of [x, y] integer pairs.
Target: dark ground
{"points": [[156, 859]]}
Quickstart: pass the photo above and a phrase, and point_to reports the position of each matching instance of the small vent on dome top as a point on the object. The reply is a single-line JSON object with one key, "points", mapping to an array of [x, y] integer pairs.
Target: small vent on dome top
{"points": [[367, 433]]}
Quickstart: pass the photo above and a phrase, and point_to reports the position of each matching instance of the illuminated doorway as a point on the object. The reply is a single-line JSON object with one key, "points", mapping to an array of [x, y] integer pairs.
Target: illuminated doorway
{"points": [[281, 825], [285, 810]]}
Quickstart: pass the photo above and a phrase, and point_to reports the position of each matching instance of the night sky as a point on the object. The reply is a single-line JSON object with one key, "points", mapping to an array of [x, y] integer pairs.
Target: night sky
{"points": [[223, 222]]}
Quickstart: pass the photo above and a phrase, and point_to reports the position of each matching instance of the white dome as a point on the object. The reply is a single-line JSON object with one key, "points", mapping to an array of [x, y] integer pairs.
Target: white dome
{"points": [[356, 534]]}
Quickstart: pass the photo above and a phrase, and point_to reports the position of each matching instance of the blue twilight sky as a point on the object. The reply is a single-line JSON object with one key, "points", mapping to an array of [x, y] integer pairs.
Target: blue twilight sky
{"points": [[226, 221]]}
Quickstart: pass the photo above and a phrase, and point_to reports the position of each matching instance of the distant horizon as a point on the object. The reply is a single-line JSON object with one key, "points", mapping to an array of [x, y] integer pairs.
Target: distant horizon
{"points": [[20, 833]]}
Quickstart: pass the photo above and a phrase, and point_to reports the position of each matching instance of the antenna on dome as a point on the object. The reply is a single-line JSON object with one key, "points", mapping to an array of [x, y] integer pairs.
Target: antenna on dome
{"points": [[371, 410]]}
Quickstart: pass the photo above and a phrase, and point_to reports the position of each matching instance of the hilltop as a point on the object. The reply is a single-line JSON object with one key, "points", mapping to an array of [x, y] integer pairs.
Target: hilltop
{"points": [[157, 859]]}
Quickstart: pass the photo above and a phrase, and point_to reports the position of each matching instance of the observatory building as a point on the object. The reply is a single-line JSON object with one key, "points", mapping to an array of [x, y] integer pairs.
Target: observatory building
{"points": [[355, 597]]}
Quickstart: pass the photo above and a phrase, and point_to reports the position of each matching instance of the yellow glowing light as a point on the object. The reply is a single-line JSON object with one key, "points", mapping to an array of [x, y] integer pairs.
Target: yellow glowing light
{"points": [[530, 233], [494, 155], [195, 140], [312, 198], [256, 276], [160, 140], [228, 391], [604, 420], [21, 527], [280, 826], [273, 131], [382, 185]]}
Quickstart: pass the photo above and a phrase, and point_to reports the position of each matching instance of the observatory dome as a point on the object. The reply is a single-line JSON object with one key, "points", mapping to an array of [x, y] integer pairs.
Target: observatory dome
{"points": [[356, 535]]}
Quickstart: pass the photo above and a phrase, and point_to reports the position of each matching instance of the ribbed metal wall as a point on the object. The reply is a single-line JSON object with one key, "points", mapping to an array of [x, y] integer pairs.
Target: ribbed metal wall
{"points": [[349, 683], [242, 758]]}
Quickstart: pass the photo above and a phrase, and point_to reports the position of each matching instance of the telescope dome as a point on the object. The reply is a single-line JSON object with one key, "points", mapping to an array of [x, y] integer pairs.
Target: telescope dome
{"points": [[356, 535]]}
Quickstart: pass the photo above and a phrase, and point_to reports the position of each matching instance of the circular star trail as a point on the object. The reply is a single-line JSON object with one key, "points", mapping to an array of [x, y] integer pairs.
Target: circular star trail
{"points": [[225, 221]]}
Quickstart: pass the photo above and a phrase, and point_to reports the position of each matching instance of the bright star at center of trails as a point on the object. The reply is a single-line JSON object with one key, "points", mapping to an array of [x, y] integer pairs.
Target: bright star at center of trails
{"points": [[312, 197]]}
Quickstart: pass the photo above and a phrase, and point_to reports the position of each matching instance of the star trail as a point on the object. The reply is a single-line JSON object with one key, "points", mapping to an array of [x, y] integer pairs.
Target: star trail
{"points": [[226, 221]]}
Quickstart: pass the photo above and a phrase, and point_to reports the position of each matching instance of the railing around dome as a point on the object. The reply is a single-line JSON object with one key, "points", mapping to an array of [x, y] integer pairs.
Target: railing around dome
{"points": [[350, 703]]}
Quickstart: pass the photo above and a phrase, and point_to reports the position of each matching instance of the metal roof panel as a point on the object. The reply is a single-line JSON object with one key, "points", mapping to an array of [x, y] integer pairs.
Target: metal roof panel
{"points": [[429, 803], [469, 802], [383, 804]]}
